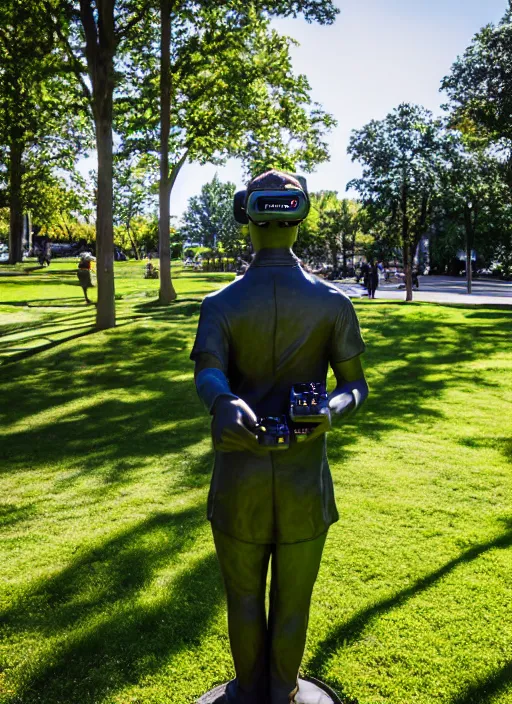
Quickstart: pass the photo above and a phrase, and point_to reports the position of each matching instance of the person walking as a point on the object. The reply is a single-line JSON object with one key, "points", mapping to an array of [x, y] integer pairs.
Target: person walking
{"points": [[84, 276], [373, 279], [47, 251]]}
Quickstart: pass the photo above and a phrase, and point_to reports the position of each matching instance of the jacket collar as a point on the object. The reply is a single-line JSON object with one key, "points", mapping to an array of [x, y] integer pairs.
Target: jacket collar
{"points": [[275, 257]]}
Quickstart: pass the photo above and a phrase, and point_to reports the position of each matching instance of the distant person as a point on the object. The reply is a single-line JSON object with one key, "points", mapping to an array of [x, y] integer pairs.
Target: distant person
{"points": [[415, 280], [364, 268], [84, 276], [47, 252], [150, 271], [373, 279]]}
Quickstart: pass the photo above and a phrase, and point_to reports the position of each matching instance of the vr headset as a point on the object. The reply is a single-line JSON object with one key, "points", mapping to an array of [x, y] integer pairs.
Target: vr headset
{"points": [[288, 205]]}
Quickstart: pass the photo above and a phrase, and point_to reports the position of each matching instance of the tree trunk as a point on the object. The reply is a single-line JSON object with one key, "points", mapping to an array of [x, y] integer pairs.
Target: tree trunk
{"points": [[406, 247], [132, 242], [334, 256], [408, 256], [100, 46], [15, 204], [106, 312], [344, 245], [469, 272], [469, 243], [167, 293]]}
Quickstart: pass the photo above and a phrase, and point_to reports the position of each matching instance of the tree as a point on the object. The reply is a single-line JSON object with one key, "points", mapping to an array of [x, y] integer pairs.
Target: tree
{"points": [[41, 112], [230, 89], [209, 219], [91, 32], [330, 230], [402, 159], [479, 88], [143, 233], [338, 224], [474, 194], [134, 192], [120, 52]]}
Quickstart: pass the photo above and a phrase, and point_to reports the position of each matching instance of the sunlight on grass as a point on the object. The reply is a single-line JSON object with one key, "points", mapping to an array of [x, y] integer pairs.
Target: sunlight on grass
{"points": [[111, 591]]}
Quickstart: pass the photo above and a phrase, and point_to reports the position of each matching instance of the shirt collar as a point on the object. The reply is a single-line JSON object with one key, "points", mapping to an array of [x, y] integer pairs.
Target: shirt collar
{"points": [[275, 257]]}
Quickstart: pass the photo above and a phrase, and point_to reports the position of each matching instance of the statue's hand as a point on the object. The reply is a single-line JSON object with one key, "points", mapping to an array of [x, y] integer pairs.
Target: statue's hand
{"points": [[341, 402], [232, 426], [348, 397]]}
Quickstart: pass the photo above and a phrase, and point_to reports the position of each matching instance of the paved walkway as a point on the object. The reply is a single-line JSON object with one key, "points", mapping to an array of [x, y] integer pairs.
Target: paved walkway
{"points": [[442, 289]]}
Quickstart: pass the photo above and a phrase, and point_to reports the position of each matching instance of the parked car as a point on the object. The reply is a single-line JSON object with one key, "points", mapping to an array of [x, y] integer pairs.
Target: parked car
{"points": [[63, 249]]}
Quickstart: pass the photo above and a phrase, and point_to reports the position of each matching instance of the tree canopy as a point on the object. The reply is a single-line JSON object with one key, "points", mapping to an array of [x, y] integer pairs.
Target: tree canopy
{"points": [[402, 158], [209, 220]]}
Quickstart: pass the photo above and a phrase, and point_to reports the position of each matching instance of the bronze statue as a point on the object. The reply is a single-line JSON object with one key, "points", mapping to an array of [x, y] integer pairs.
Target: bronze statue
{"points": [[273, 328]]}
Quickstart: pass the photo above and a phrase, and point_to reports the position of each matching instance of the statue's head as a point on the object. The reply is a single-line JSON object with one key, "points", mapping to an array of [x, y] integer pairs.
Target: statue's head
{"points": [[273, 205]]}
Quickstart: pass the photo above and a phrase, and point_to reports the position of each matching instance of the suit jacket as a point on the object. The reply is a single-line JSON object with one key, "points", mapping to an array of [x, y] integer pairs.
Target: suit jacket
{"points": [[275, 327]]}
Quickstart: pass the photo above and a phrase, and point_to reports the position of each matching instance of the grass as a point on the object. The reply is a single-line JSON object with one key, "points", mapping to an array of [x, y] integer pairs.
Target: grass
{"points": [[110, 588]]}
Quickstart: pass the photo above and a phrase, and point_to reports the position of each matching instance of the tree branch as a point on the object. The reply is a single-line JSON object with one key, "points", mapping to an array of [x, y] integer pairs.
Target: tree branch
{"points": [[76, 66], [91, 36], [122, 32], [176, 169]]}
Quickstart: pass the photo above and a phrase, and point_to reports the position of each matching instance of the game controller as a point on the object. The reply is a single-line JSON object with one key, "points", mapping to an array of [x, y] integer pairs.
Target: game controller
{"points": [[306, 402], [273, 432]]}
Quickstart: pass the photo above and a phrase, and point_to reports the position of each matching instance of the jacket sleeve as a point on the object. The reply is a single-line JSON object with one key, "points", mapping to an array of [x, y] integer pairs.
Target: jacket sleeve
{"points": [[346, 341], [212, 335]]}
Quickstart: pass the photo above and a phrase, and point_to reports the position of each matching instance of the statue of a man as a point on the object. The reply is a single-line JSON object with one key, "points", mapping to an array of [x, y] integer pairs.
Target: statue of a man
{"points": [[275, 327]]}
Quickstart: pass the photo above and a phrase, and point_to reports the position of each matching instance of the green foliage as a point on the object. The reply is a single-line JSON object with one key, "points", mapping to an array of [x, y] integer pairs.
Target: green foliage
{"points": [[480, 103], [54, 200], [209, 220], [41, 106], [234, 93], [478, 86], [134, 195], [4, 224], [330, 231], [142, 235], [402, 159], [42, 123]]}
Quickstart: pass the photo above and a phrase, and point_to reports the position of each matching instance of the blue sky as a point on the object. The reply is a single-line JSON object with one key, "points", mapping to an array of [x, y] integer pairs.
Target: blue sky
{"points": [[377, 55]]}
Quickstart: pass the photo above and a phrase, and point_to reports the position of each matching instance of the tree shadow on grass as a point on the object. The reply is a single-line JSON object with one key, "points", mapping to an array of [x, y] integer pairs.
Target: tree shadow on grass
{"points": [[350, 631], [116, 614], [183, 308], [12, 513], [503, 444], [47, 320], [138, 402], [485, 691], [412, 363]]}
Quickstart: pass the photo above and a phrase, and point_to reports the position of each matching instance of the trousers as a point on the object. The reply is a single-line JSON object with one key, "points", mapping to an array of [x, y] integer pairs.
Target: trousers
{"points": [[267, 650]]}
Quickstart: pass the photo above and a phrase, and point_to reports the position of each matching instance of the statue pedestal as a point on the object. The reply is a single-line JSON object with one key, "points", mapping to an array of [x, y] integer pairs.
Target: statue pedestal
{"points": [[311, 691]]}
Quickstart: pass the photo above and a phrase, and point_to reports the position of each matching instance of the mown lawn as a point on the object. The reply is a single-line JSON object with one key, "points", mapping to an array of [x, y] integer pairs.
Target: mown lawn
{"points": [[110, 589]]}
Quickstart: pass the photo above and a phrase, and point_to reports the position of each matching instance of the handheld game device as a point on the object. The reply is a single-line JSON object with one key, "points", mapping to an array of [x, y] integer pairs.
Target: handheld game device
{"points": [[273, 432], [306, 401]]}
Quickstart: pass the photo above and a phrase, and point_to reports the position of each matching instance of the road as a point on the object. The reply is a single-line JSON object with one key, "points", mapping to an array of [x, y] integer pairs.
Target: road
{"points": [[442, 289]]}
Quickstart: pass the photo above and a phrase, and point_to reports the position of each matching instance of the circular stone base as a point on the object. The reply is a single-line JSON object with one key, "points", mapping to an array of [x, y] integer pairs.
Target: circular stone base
{"points": [[311, 691]]}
